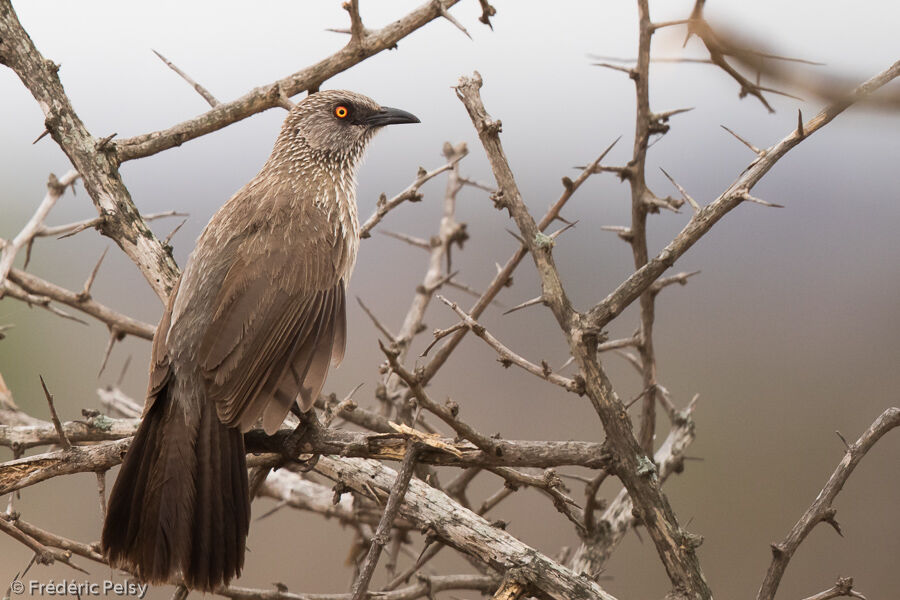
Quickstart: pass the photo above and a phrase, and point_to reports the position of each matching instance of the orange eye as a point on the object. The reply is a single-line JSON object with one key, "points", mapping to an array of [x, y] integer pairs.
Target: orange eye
{"points": [[341, 112]]}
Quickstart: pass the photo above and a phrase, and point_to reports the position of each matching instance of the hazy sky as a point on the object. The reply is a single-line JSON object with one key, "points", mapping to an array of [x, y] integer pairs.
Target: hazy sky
{"points": [[790, 332]]}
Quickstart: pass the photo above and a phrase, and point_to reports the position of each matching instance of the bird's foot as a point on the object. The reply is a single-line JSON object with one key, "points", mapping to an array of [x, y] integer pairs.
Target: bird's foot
{"points": [[293, 445], [294, 442]]}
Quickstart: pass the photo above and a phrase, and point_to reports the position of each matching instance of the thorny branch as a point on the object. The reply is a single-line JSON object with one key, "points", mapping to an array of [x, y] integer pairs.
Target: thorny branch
{"points": [[367, 44], [702, 221], [382, 534], [23, 472], [674, 545], [821, 511]]}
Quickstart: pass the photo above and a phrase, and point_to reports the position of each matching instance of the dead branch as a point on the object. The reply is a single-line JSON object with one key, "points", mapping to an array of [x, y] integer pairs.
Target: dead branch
{"points": [[821, 511], [463, 529], [630, 289], [508, 357], [269, 96], [411, 193], [382, 534], [210, 99], [637, 472], [55, 189], [42, 289]]}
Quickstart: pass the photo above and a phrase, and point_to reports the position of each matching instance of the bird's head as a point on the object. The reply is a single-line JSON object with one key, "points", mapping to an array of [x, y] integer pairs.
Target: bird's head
{"points": [[337, 124]]}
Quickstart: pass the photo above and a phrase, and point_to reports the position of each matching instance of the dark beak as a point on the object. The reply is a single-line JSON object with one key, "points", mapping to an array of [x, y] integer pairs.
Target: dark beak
{"points": [[390, 116]]}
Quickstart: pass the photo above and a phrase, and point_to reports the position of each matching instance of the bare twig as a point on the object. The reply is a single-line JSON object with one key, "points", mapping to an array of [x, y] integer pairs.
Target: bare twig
{"points": [[411, 193], [63, 440], [55, 189], [702, 222], [44, 555], [508, 357], [821, 510], [382, 534], [843, 587], [45, 289], [210, 99]]}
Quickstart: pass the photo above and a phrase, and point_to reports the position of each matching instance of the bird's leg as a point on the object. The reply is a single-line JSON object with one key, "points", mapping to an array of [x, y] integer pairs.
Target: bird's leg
{"points": [[293, 444]]}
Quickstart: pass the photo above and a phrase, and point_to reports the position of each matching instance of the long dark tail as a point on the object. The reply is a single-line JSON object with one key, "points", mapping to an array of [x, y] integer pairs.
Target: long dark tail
{"points": [[181, 501]]}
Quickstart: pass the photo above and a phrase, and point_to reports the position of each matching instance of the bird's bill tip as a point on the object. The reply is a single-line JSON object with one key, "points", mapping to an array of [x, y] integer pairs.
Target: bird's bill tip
{"points": [[390, 116]]}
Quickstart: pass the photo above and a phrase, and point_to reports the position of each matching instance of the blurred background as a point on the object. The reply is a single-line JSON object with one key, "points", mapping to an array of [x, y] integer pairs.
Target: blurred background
{"points": [[789, 333]]}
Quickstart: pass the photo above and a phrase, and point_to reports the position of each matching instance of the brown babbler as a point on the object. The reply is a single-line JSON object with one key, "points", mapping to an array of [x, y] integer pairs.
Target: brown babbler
{"points": [[250, 328]]}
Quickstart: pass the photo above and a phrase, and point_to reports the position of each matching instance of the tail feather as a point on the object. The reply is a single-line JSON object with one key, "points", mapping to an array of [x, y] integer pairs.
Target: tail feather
{"points": [[180, 505]]}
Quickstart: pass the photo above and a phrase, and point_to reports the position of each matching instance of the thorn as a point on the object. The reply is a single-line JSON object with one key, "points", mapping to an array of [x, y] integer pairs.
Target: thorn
{"points": [[349, 396], [372, 493], [645, 391], [102, 142], [452, 19], [412, 241], [85, 293], [680, 278], [440, 282], [664, 116], [124, 370], [272, 510], [61, 313], [384, 330], [85, 225], [526, 304], [683, 192], [631, 358], [843, 439], [114, 336], [746, 196], [40, 137], [204, 93], [28, 248], [605, 152], [829, 518], [756, 150], [559, 232], [605, 65], [517, 236], [55, 418], [473, 292], [800, 123], [174, 231], [623, 232]]}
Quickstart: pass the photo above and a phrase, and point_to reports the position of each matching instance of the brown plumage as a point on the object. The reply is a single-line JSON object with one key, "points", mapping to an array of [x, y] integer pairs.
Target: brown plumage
{"points": [[252, 326]]}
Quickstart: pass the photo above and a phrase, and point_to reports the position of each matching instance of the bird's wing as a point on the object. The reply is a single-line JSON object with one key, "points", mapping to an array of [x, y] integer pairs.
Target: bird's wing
{"points": [[160, 367], [278, 320]]}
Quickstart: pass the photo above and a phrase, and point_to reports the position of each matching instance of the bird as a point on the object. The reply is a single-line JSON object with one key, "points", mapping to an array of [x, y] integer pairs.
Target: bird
{"points": [[250, 328]]}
